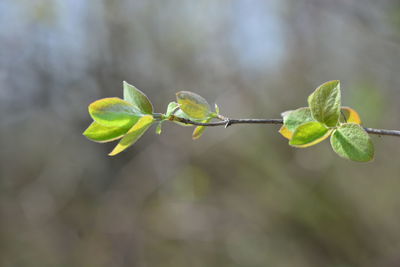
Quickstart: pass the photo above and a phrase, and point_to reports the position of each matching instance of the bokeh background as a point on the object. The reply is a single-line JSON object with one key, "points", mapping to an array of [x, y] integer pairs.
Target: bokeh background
{"points": [[238, 196]]}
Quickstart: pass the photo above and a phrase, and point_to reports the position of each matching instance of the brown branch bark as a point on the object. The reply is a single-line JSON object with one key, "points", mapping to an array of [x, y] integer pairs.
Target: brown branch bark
{"points": [[227, 122]]}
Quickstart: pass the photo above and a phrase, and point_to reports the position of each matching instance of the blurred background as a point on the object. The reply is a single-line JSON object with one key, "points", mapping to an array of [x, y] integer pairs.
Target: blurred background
{"points": [[238, 196]]}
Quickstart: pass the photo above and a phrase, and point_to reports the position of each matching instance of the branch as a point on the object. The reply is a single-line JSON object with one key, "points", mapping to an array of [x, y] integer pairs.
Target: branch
{"points": [[227, 122], [382, 131]]}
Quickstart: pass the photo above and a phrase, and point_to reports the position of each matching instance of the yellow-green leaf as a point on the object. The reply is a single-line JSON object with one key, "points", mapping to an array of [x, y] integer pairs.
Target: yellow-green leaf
{"points": [[172, 108], [351, 116], [100, 133], [352, 142], [295, 118], [159, 128], [199, 130], [216, 108], [133, 134], [309, 134], [285, 132], [113, 112], [137, 98], [180, 114], [193, 105], [324, 103]]}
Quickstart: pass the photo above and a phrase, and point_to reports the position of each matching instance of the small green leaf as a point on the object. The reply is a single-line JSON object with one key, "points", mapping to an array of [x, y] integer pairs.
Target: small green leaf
{"points": [[133, 134], [351, 141], [309, 134], [285, 113], [295, 118], [199, 130], [193, 105], [172, 107], [99, 133], [325, 103], [216, 108], [159, 128], [137, 98], [113, 112]]}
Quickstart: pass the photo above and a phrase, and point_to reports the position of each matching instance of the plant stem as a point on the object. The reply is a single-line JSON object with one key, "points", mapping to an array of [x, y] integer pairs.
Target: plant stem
{"points": [[382, 131], [227, 122]]}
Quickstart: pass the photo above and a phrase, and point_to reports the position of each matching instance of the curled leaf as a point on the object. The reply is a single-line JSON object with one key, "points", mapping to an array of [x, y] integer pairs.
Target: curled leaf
{"points": [[350, 116], [172, 107], [199, 130], [284, 131]]}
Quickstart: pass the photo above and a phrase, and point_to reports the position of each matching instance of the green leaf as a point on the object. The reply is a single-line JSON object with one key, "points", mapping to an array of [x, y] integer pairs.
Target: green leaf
{"points": [[309, 134], [133, 134], [199, 130], [172, 107], [179, 113], [193, 105], [137, 98], [325, 103], [216, 108], [351, 141], [113, 112], [159, 128], [99, 133], [295, 118]]}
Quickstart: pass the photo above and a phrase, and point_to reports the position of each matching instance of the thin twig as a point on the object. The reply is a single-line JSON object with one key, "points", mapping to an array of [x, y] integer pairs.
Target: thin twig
{"points": [[382, 131], [227, 122]]}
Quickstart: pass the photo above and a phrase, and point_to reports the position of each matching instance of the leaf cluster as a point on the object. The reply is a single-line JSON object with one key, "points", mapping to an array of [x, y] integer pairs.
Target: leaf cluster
{"points": [[325, 117], [129, 118]]}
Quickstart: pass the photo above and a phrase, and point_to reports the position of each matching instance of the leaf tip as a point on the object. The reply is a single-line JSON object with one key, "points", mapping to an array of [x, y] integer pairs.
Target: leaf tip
{"points": [[216, 107], [125, 83], [112, 153], [116, 150], [85, 133], [159, 128], [196, 136]]}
